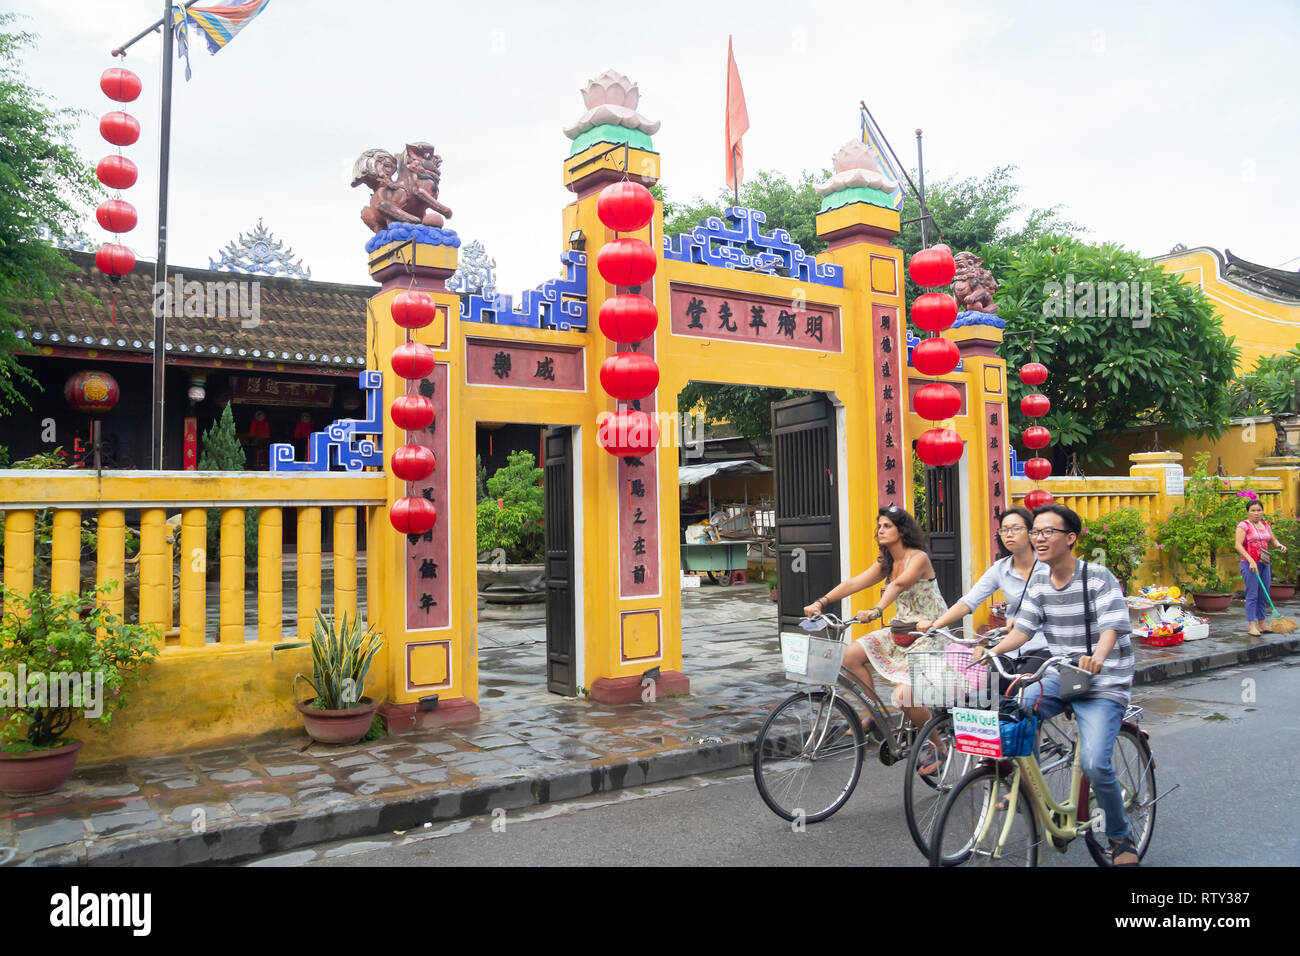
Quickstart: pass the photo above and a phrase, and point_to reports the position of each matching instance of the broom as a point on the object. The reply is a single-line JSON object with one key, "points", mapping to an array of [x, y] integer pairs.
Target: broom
{"points": [[1279, 624]]}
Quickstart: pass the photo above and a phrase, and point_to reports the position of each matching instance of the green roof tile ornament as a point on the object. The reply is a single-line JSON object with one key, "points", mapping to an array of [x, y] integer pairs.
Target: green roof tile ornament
{"points": [[611, 116], [858, 178]]}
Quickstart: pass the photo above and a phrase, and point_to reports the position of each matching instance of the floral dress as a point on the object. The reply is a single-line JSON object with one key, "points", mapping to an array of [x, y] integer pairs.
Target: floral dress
{"points": [[922, 601]]}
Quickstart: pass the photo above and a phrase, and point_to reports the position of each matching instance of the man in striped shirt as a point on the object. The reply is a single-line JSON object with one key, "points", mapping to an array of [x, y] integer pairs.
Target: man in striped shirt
{"points": [[1055, 605]]}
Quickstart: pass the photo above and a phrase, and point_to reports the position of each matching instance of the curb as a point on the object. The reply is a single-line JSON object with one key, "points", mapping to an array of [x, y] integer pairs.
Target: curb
{"points": [[1157, 671]]}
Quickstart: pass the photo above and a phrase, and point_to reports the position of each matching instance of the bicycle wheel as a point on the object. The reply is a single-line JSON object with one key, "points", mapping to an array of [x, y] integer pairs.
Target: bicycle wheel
{"points": [[923, 795], [1057, 738], [1135, 769], [975, 818], [808, 756]]}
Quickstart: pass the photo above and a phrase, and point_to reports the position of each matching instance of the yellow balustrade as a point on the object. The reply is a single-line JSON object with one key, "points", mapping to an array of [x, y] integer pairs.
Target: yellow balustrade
{"points": [[155, 570], [20, 551], [65, 553], [270, 573], [194, 577], [345, 562], [308, 570], [232, 576], [110, 562]]}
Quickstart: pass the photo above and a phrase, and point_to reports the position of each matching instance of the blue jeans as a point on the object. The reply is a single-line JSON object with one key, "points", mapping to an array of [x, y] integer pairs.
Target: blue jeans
{"points": [[1255, 601], [1099, 722]]}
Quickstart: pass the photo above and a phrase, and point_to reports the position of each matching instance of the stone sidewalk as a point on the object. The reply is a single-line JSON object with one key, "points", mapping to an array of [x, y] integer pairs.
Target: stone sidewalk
{"points": [[530, 747]]}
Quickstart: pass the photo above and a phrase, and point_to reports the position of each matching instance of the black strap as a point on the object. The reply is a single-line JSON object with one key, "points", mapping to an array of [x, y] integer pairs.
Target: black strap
{"points": [[1087, 609], [1021, 602]]}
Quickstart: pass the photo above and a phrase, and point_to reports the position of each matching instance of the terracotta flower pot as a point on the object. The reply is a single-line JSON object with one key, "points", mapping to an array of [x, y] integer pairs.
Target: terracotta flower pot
{"points": [[1212, 602], [38, 771], [1281, 592], [337, 726]]}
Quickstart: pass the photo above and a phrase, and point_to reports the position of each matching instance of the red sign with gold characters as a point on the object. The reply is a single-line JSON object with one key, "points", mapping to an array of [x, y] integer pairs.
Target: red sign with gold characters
{"points": [[264, 390], [764, 320], [510, 364], [191, 455], [996, 428], [893, 461], [426, 567]]}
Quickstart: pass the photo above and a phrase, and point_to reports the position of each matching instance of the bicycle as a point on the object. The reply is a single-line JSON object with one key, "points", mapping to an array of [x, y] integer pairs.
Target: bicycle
{"points": [[993, 814]]}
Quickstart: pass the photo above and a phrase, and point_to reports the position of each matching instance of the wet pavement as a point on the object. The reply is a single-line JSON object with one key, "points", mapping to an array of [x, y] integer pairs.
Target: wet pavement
{"points": [[280, 796]]}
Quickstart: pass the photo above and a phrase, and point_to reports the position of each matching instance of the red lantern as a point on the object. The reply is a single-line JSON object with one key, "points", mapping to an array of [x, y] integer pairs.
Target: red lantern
{"points": [[412, 412], [413, 515], [413, 463], [626, 262], [117, 172], [1035, 405], [413, 360], [628, 434], [932, 267], [114, 260], [628, 318], [625, 206], [1038, 468], [934, 311], [629, 375], [119, 84], [120, 129], [1038, 498], [116, 215], [939, 447], [935, 356], [1036, 436], [414, 310], [92, 393], [937, 401], [1035, 373]]}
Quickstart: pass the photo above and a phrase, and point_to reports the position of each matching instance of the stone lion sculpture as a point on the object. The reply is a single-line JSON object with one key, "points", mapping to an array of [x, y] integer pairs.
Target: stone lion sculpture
{"points": [[973, 285]]}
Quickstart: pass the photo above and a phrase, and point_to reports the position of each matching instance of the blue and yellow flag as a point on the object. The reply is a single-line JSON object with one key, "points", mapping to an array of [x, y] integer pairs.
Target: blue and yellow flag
{"points": [[871, 136], [218, 25]]}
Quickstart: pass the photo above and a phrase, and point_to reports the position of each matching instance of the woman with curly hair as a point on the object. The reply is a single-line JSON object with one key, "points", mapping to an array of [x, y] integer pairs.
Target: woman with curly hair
{"points": [[905, 566]]}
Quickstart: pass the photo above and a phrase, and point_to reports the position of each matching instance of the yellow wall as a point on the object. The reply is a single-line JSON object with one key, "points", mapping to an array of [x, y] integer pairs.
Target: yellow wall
{"points": [[1240, 447]]}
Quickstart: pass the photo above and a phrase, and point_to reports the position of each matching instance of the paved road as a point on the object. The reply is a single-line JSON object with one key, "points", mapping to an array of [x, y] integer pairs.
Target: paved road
{"points": [[1227, 738]]}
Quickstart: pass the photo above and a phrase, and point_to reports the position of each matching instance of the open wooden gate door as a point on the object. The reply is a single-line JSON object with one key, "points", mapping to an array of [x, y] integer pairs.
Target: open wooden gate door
{"points": [[561, 622]]}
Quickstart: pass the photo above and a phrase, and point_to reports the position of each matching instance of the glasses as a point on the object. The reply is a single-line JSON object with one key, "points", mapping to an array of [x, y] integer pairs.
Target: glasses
{"points": [[1042, 533], [1012, 529]]}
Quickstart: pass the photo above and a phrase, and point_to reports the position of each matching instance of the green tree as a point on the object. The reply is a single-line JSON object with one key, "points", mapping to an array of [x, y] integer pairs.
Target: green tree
{"points": [[44, 182], [222, 452], [510, 517], [1270, 387]]}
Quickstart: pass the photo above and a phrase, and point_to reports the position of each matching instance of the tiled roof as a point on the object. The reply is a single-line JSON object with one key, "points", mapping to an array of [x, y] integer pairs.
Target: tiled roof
{"points": [[1278, 282], [298, 322]]}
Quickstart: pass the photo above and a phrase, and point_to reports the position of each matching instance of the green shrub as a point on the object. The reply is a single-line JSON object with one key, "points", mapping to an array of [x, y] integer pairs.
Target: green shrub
{"points": [[1118, 540], [222, 452], [510, 517], [1195, 532], [1286, 567]]}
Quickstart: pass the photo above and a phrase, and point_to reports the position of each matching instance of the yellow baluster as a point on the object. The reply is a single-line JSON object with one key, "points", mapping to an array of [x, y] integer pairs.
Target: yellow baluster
{"points": [[155, 570], [232, 575], [270, 573], [308, 570], [20, 550], [110, 564], [345, 562], [194, 577], [65, 555]]}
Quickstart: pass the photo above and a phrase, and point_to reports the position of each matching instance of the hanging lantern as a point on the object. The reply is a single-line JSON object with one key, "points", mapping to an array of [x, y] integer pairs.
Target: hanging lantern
{"points": [[628, 434], [1035, 373], [625, 206], [116, 215], [935, 356], [937, 401], [120, 129], [117, 172], [932, 267], [1036, 436], [411, 412], [114, 260], [413, 515], [413, 463], [1036, 405], [91, 393], [1038, 468], [1038, 498], [626, 262], [939, 447], [629, 375], [628, 318], [120, 85], [934, 311], [414, 310], [411, 360]]}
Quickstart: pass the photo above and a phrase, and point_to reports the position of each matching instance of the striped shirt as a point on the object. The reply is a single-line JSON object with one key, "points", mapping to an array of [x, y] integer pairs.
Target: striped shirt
{"points": [[1003, 576], [1059, 615]]}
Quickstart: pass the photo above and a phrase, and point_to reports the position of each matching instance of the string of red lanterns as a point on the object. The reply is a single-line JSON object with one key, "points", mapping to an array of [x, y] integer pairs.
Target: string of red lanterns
{"points": [[933, 312], [628, 318], [117, 172], [1036, 405], [412, 361]]}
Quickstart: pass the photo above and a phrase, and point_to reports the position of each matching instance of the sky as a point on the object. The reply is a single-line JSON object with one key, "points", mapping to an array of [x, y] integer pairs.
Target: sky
{"points": [[1150, 124]]}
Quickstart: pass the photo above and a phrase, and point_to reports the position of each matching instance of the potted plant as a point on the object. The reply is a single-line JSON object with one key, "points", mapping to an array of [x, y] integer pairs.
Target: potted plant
{"points": [[1121, 539], [61, 656], [771, 579], [1194, 533], [341, 656], [1286, 566]]}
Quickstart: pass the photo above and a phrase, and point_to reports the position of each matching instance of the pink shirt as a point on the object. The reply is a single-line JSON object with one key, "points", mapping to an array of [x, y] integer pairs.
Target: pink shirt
{"points": [[1257, 537]]}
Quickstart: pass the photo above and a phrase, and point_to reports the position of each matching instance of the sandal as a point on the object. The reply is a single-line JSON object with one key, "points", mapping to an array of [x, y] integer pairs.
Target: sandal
{"points": [[1254, 633], [1122, 847], [933, 758]]}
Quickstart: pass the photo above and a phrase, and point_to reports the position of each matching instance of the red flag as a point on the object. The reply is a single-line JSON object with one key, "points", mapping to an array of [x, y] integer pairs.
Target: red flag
{"points": [[737, 122]]}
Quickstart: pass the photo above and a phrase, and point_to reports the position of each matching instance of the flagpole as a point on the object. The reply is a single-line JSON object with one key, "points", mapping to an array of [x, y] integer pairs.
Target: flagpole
{"points": [[920, 194], [735, 180]]}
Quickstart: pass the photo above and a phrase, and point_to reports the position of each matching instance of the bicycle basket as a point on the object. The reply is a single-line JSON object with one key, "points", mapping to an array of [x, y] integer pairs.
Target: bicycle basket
{"points": [[947, 678], [1018, 736], [811, 660]]}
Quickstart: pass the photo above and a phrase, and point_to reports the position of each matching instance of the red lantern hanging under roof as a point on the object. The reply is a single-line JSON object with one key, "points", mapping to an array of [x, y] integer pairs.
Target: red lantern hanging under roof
{"points": [[1035, 405], [114, 260], [1038, 468], [413, 514], [120, 84], [625, 206], [117, 172], [1035, 373], [934, 311], [936, 356], [1036, 436], [628, 433], [626, 262], [937, 401], [411, 360], [413, 463], [414, 309], [629, 375], [628, 318], [91, 393], [1038, 498], [939, 447], [932, 267], [116, 215], [120, 129], [411, 412]]}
